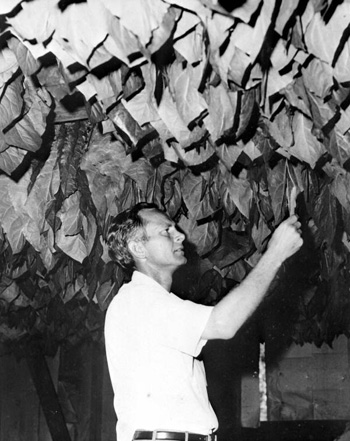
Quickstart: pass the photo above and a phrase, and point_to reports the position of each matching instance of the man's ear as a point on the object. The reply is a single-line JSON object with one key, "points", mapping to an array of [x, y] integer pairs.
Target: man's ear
{"points": [[137, 249]]}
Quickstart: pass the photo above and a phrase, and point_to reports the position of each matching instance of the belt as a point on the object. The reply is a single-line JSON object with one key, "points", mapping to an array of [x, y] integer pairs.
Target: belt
{"points": [[175, 436]]}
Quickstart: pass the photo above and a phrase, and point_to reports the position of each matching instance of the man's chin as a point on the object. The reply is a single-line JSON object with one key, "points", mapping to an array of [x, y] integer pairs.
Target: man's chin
{"points": [[182, 261]]}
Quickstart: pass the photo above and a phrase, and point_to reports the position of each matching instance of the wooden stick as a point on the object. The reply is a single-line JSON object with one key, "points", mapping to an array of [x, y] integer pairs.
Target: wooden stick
{"points": [[292, 200]]}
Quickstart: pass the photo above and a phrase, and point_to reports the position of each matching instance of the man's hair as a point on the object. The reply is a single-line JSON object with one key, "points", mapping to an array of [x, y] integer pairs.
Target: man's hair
{"points": [[127, 225]]}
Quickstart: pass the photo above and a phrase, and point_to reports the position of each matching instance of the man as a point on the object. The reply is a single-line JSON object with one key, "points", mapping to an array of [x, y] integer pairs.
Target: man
{"points": [[153, 337]]}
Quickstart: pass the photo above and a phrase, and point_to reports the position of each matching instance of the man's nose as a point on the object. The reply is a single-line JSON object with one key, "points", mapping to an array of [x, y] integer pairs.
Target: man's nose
{"points": [[179, 236]]}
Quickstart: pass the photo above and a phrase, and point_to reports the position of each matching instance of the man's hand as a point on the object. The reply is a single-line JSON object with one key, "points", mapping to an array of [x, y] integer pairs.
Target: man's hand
{"points": [[286, 240]]}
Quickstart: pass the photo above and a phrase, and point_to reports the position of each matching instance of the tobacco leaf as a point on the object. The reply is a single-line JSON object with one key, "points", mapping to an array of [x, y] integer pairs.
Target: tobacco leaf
{"points": [[276, 178], [232, 248], [184, 88], [28, 64], [9, 65], [12, 220], [11, 158], [213, 110], [306, 148], [238, 189]]}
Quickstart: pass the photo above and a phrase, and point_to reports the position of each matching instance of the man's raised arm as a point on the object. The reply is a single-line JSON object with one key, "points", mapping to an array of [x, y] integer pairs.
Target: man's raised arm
{"points": [[238, 305]]}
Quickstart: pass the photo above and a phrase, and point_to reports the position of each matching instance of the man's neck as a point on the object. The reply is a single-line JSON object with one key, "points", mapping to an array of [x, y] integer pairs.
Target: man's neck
{"points": [[164, 279]]}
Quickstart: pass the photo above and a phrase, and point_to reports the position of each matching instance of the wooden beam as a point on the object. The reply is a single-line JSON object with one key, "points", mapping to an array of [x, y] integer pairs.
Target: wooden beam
{"points": [[45, 388]]}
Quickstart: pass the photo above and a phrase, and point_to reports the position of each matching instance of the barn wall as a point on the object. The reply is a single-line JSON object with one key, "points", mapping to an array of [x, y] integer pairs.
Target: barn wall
{"points": [[305, 383], [21, 416], [311, 383], [82, 383]]}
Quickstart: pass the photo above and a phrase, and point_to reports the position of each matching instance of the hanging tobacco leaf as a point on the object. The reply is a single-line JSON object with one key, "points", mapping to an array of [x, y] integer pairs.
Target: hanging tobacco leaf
{"points": [[192, 106], [276, 178]]}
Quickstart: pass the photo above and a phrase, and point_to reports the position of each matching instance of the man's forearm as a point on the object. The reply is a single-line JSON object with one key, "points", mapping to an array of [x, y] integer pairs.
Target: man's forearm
{"points": [[238, 305]]}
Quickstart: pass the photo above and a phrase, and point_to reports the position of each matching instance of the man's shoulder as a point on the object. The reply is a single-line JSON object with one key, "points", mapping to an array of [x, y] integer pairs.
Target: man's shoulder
{"points": [[135, 292]]}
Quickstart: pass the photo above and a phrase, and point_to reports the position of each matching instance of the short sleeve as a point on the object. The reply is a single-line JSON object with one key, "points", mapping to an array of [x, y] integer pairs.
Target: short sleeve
{"points": [[178, 323]]}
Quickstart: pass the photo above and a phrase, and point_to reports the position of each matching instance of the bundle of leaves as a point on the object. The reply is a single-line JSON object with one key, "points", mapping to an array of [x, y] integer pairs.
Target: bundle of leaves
{"points": [[214, 114]]}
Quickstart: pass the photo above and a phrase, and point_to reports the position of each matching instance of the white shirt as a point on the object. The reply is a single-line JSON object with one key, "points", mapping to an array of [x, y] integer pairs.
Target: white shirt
{"points": [[152, 338]]}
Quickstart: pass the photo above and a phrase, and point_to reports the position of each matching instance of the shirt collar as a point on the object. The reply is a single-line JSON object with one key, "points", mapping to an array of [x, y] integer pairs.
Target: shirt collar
{"points": [[139, 277]]}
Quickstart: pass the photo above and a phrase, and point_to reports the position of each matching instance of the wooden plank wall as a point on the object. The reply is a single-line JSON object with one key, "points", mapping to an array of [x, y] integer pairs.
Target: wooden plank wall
{"points": [[311, 383], [81, 378], [21, 416]]}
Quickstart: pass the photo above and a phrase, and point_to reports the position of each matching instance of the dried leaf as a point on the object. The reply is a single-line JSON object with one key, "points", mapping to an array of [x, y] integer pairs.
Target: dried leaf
{"points": [[142, 106], [132, 133], [73, 31], [169, 114], [104, 293], [11, 104], [324, 74], [250, 39], [36, 20], [150, 14], [90, 231], [297, 96], [260, 234], [123, 44], [50, 77], [172, 197], [71, 216], [251, 150], [324, 115], [205, 237], [27, 132], [43, 191], [324, 215], [191, 46], [196, 156], [73, 246], [9, 65], [195, 6], [104, 164], [318, 32], [227, 58], [280, 128], [28, 64], [11, 220], [194, 197], [161, 34], [74, 226], [246, 10], [238, 189], [287, 9], [222, 107], [11, 158], [232, 248], [8, 5], [341, 189], [141, 172], [184, 88], [229, 154], [306, 148], [218, 30], [339, 147], [277, 182], [245, 114], [340, 70]]}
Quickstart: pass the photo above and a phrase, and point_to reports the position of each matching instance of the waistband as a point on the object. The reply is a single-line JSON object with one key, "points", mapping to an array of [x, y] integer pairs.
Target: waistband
{"points": [[173, 436]]}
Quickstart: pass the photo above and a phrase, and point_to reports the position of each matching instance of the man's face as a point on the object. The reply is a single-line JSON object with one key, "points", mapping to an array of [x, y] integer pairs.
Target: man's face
{"points": [[164, 246]]}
